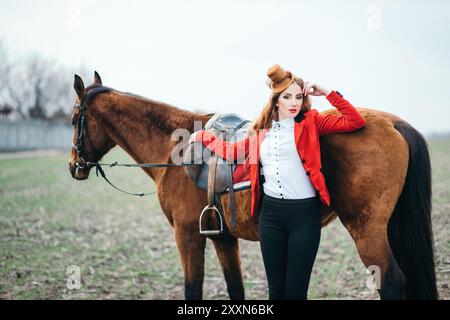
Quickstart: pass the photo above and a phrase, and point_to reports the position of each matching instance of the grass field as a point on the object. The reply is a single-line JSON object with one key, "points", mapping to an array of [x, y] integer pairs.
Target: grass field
{"points": [[125, 248]]}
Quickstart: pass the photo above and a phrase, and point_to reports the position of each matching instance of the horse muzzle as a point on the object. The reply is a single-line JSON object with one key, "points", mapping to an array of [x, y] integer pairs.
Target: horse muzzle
{"points": [[79, 171]]}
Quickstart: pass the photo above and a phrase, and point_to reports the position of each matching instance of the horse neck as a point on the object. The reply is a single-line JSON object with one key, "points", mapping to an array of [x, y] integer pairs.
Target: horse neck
{"points": [[143, 127]]}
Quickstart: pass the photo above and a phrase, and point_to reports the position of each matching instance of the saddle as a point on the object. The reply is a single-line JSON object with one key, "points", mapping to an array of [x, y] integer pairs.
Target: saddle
{"points": [[213, 173]]}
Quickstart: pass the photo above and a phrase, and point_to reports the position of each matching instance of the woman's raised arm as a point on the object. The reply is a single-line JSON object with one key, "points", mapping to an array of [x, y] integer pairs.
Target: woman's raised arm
{"points": [[349, 120]]}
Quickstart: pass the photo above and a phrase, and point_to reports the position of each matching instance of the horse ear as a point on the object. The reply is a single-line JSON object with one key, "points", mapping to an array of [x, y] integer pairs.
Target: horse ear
{"points": [[97, 79], [78, 85]]}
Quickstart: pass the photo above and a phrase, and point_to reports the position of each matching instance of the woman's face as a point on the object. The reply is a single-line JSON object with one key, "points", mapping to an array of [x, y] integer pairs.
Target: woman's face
{"points": [[290, 102]]}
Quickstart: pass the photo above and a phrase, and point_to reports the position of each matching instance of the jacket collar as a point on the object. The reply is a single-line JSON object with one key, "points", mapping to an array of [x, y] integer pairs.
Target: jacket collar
{"points": [[286, 123], [298, 128]]}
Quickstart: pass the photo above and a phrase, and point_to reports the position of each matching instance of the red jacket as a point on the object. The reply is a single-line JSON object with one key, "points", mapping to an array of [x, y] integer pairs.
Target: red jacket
{"points": [[306, 132]]}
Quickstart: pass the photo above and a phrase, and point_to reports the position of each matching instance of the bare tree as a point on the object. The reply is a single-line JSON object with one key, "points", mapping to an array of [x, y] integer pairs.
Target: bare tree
{"points": [[36, 87], [39, 87], [23, 84], [5, 69]]}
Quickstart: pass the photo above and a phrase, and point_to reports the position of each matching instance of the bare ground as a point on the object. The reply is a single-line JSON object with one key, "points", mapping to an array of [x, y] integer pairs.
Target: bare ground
{"points": [[124, 246]]}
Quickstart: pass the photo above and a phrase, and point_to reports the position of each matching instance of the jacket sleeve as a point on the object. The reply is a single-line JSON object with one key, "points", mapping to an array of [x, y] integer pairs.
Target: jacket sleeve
{"points": [[224, 149], [349, 120]]}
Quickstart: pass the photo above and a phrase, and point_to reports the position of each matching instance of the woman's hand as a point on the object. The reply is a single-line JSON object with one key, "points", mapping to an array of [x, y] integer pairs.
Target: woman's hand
{"points": [[314, 89], [192, 137]]}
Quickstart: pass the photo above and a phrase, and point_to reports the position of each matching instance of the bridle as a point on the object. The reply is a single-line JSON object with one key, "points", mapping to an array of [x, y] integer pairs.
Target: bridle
{"points": [[82, 129], [81, 122]]}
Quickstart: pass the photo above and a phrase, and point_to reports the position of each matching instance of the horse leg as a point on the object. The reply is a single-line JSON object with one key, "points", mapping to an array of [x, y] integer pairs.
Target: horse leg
{"points": [[227, 249], [375, 251], [370, 236], [191, 246]]}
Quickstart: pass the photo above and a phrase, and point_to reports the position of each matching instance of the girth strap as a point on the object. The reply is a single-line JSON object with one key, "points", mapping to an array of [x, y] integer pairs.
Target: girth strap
{"points": [[231, 194], [212, 179]]}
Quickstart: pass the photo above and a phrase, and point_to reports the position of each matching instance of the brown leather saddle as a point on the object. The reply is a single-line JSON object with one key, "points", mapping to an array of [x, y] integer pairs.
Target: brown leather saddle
{"points": [[213, 173]]}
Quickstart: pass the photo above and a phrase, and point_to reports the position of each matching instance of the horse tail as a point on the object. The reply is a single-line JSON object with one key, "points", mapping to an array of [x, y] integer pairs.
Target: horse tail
{"points": [[410, 230]]}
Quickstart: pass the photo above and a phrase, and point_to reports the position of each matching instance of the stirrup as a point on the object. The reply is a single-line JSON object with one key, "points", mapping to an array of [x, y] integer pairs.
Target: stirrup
{"points": [[212, 231]]}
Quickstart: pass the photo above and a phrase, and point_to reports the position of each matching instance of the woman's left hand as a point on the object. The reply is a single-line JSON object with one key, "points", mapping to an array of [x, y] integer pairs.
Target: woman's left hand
{"points": [[314, 89]]}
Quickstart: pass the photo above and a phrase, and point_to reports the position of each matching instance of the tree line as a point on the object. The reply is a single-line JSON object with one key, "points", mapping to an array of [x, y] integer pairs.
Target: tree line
{"points": [[35, 87]]}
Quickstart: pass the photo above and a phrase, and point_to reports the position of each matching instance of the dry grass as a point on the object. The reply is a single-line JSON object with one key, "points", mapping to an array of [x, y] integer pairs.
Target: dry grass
{"points": [[125, 247]]}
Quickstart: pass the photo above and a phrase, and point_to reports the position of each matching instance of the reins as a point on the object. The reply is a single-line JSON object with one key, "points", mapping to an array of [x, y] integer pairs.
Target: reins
{"points": [[81, 126], [98, 168]]}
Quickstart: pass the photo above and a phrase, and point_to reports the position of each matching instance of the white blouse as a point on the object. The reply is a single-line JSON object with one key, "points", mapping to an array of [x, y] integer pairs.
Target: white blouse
{"points": [[285, 176]]}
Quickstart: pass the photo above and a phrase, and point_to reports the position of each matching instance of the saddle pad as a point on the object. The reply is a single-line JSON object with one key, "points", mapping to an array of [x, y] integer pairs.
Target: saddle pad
{"points": [[239, 186]]}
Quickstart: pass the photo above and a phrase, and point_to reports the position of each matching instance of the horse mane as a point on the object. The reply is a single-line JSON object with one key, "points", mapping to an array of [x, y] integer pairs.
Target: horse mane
{"points": [[94, 90], [158, 115]]}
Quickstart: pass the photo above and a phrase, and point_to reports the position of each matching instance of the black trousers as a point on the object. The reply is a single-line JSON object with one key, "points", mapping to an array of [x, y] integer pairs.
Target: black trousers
{"points": [[289, 231]]}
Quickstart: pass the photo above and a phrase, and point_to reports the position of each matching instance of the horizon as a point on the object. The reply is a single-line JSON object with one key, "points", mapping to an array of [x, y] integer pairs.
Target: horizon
{"points": [[213, 57]]}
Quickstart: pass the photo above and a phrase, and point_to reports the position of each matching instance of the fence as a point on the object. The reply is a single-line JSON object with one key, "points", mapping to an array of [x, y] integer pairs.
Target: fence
{"points": [[33, 135]]}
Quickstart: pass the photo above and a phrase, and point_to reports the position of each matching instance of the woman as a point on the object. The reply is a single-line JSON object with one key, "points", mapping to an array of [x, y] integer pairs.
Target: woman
{"points": [[283, 158]]}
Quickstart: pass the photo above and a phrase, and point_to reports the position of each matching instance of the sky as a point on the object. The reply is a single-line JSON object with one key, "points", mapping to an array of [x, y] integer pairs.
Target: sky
{"points": [[213, 56]]}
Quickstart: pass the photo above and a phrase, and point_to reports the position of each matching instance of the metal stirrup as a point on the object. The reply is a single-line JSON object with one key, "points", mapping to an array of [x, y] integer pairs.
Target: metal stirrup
{"points": [[211, 204], [210, 231]]}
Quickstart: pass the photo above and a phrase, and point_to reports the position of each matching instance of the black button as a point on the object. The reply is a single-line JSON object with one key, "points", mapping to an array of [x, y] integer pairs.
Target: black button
{"points": [[307, 173], [280, 187], [303, 160], [278, 181]]}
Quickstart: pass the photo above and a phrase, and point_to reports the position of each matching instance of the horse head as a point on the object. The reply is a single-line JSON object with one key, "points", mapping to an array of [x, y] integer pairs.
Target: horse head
{"points": [[90, 140]]}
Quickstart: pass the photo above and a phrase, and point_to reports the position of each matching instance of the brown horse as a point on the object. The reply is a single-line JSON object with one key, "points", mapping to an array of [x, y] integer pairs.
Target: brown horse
{"points": [[379, 180]]}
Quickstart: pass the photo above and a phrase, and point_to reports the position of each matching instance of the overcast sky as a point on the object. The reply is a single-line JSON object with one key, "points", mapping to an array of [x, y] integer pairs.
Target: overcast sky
{"points": [[391, 55]]}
